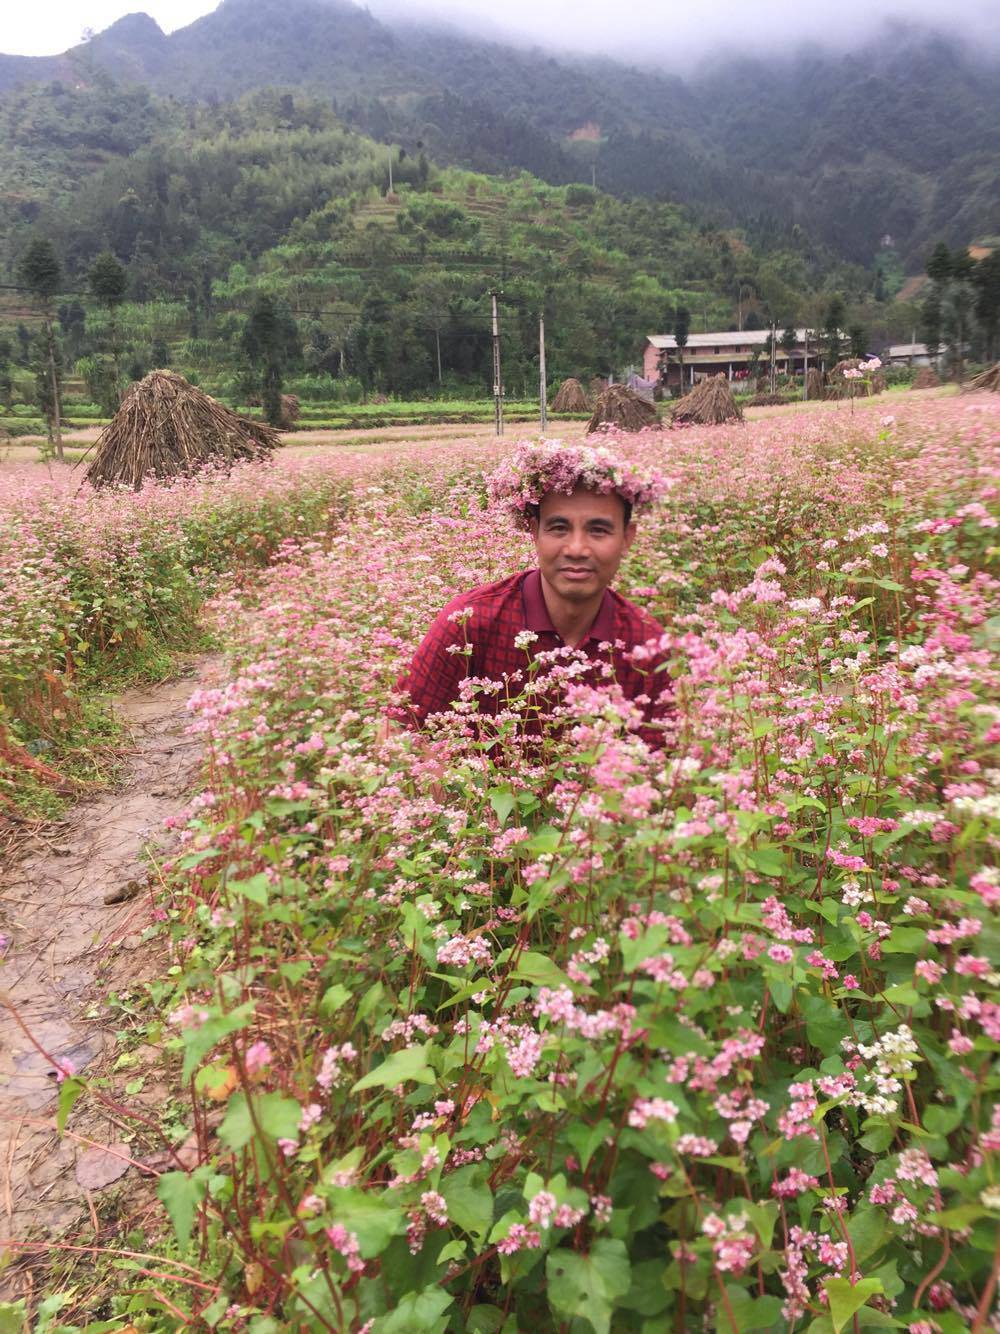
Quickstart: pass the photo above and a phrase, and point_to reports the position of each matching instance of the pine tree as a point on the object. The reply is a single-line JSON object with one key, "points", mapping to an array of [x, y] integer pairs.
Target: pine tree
{"points": [[270, 344], [40, 272], [108, 282], [682, 327], [832, 337], [986, 284]]}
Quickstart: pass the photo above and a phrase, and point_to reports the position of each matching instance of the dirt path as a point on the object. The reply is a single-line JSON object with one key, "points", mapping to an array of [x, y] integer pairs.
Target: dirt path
{"points": [[66, 938]]}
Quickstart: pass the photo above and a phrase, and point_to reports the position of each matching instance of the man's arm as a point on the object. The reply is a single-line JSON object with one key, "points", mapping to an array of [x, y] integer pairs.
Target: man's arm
{"points": [[436, 671]]}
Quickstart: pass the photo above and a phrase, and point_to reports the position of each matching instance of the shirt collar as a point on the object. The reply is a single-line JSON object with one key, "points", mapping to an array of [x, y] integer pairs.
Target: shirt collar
{"points": [[537, 618]]}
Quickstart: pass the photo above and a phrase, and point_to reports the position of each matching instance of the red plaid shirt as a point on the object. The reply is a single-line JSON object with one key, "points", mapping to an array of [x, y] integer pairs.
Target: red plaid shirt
{"points": [[502, 610]]}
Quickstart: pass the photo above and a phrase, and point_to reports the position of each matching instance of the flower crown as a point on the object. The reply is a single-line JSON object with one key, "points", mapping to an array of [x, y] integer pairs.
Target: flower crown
{"points": [[535, 470]]}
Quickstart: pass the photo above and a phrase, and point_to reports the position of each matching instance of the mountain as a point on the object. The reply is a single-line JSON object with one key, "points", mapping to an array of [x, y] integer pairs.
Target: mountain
{"points": [[899, 139]]}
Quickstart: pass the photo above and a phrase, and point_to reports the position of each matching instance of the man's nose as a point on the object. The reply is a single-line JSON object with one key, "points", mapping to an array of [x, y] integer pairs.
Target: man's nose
{"points": [[577, 542]]}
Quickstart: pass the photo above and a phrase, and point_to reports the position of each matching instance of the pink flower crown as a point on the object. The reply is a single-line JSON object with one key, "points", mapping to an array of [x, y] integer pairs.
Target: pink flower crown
{"points": [[535, 470]]}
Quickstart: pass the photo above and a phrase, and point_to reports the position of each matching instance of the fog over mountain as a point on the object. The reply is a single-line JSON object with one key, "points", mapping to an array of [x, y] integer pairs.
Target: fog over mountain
{"points": [[675, 38], [765, 124], [634, 33]]}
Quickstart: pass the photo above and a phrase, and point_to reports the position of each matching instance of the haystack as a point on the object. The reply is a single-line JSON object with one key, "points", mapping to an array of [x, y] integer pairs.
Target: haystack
{"points": [[709, 403], [815, 382], [768, 401], [988, 379], [926, 378], [598, 384], [290, 408], [570, 397], [166, 427], [619, 406]]}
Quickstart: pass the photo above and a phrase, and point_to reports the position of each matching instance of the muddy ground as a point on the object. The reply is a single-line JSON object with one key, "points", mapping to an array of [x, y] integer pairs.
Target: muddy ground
{"points": [[72, 908]]}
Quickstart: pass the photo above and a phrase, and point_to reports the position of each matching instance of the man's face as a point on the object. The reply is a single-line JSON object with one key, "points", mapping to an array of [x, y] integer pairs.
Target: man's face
{"points": [[580, 541]]}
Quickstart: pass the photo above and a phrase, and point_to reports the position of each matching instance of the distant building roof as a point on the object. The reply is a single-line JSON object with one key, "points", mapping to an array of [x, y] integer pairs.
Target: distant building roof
{"points": [[907, 350], [725, 338]]}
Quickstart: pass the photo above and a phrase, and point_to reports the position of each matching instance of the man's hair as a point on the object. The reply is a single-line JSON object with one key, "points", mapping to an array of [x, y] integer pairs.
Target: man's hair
{"points": [[536, 512]]}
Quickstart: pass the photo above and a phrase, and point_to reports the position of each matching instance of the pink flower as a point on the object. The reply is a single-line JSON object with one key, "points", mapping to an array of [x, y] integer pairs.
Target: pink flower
{"points": [[645, 1110], [257, 1057], [519, 1238]]}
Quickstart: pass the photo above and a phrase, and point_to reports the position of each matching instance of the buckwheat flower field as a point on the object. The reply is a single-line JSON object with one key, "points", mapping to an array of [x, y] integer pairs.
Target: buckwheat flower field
{"points": [[479, 1035]]}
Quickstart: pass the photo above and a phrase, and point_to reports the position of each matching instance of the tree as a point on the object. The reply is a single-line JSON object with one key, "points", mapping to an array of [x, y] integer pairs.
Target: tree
{"points": [[682, 327], [939, 265], [6, 378], [46, 364], [40, 272], [832, 338], [950, 274], [108, 282], [858, 336], [930, 324], [986, 284], [270, 345]]}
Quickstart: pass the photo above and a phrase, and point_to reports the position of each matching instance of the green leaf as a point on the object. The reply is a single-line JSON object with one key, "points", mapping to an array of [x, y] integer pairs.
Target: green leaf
{"points": [[276, 1115], [370, 1217], [469, 1200], [866, 1229], [397, 1068], [333, 998], [421, 1311], [198, 1042], [503, 802], [763, 1217], [540, 971], [546, 839], [942, 1120], [905, 940], [768, 861], [762, 1313], [256, 888], [484, 1320], [180, 1193], [825, 1023], [370, 1000], [13, 1318], [845, 1299], [589, 1285], [69, 1092], [587, 1139]]}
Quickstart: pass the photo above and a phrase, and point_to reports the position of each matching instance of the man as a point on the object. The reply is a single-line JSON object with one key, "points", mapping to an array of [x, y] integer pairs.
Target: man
{"points": [[578, 504]]}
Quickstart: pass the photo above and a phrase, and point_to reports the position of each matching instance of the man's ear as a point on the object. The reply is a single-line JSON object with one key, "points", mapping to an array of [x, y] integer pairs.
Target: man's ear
{"points": [[630, 531], [533, 528]]}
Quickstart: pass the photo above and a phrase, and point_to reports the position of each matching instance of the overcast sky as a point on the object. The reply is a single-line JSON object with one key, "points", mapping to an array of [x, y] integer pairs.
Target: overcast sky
{"points": [[664, 32]]}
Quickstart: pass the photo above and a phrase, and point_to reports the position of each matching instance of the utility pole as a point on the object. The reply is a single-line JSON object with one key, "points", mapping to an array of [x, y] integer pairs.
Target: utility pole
{"points": [[770, 380], [390, 168], [497, 379], [542, 386], [805, 364]]}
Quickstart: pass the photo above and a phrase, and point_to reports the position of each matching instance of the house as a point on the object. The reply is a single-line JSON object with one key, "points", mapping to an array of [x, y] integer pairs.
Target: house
{"points": [[908, 354], [730, 352]]}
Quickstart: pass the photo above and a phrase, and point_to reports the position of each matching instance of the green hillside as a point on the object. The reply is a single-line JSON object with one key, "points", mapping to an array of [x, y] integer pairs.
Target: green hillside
{"points": [[897, 137], [207, 207]]}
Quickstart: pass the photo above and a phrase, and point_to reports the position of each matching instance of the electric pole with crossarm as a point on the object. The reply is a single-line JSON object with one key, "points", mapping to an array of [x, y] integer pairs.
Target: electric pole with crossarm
{"points": [[495, 294]]}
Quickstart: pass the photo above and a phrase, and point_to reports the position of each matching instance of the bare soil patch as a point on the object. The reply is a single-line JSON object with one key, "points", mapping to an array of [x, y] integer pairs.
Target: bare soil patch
{"points": [[72, 907]]}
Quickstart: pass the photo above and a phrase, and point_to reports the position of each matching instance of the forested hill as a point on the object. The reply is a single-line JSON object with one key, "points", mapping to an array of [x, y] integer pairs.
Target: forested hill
{"points": [[209, 207], [901, 137]]}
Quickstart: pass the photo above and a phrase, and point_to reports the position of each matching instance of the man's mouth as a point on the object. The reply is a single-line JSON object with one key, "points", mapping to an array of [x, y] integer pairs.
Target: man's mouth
{"points": [[575, 572]]}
